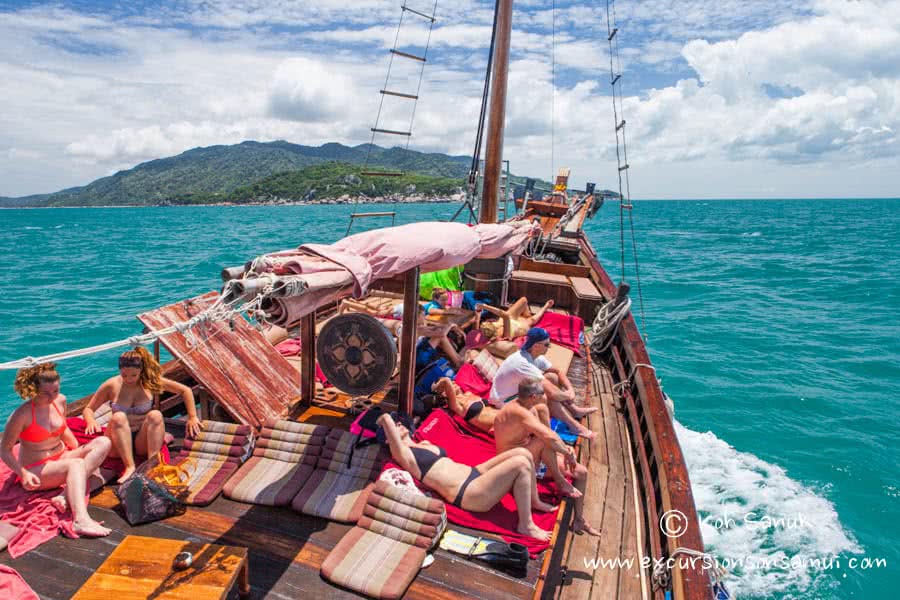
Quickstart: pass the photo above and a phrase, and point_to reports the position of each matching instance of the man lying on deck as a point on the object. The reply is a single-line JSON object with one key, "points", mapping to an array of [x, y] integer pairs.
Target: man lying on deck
{"points": [[525, 423], [475, 489], [531, 362]]}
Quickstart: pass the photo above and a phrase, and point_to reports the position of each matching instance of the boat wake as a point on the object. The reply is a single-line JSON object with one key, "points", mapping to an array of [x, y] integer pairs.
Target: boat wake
{"points": [[767, 529]]}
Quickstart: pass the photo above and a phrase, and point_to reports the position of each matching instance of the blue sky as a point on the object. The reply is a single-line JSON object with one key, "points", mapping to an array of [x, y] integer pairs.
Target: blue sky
{"points": [[727, 99]]}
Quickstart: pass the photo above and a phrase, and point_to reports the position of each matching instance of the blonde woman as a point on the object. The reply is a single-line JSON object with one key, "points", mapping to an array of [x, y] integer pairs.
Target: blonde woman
{"points": [[135, 426]]}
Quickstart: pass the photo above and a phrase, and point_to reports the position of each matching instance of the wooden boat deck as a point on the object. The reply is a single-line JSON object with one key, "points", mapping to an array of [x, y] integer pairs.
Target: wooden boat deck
{"points": [[286, 549]]}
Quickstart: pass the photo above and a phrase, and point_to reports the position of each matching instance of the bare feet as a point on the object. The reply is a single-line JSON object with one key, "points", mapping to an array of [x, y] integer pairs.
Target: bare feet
{"points": [[532, 530], [567, 489], [90, 528], [541, 506], [580, 526], [580, 411], [59, 503], [586, 433], [125, 474]]}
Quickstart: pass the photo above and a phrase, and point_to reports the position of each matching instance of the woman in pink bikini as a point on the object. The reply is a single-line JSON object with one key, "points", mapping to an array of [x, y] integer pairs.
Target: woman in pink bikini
{"points": [[49, 454], [135, 425]]}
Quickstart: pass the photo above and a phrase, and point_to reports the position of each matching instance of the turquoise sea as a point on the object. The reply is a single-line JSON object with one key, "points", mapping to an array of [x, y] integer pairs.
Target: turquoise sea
{"points": [[773, 325]]}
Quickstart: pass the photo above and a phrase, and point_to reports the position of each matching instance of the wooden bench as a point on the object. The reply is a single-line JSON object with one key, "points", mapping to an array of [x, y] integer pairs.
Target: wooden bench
{"points": [[587, 298]]}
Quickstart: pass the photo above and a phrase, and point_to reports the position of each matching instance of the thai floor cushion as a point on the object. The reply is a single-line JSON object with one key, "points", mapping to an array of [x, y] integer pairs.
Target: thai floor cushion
{"points": [[383, 553], [283, 459]]}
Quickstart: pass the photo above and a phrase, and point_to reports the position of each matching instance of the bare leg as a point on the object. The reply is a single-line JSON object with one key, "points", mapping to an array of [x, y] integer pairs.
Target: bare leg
{"points": [[517, 308], [565, 395], [579, 524], [149, 440], [450, 352], [119, 433], [549, 457], [536, 317], [561, 412], [72, 472], [93, 453], [513, 473]]}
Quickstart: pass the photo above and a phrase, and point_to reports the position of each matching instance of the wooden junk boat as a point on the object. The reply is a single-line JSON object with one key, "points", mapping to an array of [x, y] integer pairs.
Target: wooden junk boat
{"points": [[636, 471]]}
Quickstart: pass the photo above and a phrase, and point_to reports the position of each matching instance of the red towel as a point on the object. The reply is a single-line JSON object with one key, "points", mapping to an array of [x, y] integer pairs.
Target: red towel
{"points": [[37, 519], [471, 447], [564, 330], [13, 586], [470, 380], [113, 463]]}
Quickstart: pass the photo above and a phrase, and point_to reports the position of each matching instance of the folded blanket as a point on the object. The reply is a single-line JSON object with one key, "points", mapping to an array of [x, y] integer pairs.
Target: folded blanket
{"points": [[13, 586], [565, 330], [466, 447], [470, 380], [32, 513]]}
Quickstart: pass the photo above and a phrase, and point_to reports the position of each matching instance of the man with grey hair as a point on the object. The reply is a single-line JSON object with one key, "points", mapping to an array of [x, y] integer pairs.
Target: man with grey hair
{"points": [[525, 423]]}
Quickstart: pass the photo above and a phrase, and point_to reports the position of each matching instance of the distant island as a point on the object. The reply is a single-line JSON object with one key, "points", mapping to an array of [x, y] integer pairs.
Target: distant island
{"points": [[273, 173]]}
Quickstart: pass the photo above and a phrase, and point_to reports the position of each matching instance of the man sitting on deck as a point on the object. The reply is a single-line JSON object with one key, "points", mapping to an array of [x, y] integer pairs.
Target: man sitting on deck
{"points": [[531, 362], [525, 423]]}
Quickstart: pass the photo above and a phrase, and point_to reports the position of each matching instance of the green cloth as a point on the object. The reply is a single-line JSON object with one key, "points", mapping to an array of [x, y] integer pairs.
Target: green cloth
{"points": [[449, 279]]}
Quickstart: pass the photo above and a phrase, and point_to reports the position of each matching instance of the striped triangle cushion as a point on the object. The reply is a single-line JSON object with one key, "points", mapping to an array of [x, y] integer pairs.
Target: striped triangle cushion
{"points": [[212, 457], [382, 554], [285, 456], [338, 487]]}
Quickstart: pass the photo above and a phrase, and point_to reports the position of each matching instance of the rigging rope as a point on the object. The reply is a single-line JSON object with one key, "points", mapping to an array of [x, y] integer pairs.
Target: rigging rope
{"points": [[625, 202], [472, 182], [218, 311], [553, 97]]}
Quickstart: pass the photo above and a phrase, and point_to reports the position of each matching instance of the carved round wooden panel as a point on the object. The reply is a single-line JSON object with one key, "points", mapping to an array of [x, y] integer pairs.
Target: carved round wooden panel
{"points": [[356, 353]]}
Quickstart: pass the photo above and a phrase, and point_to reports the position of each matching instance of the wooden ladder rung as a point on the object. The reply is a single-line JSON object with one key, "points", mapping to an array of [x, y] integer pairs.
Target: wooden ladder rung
{"points": [[408, 55], [399, 94], [421, 14], [391, 131]]}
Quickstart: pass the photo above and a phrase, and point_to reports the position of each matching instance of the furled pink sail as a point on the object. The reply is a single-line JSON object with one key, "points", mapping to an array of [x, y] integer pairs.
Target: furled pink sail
{"points": [[296, 282]]}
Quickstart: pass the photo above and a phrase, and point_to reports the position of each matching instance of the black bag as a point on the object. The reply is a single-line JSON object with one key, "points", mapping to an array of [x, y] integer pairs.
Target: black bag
{"points": [[144, 500], [154, 492]]}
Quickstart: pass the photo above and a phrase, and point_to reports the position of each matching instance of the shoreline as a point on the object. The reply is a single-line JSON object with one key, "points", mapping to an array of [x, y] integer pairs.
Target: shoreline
{"points": [[455, 198]]}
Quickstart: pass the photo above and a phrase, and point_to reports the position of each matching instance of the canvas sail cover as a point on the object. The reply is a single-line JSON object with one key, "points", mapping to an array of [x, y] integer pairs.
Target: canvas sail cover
{"points": [[295, 282]]}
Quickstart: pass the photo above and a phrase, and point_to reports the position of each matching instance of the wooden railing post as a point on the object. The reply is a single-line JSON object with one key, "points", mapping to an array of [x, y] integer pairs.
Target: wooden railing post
{"points": [[308, 358], [408, 340]]}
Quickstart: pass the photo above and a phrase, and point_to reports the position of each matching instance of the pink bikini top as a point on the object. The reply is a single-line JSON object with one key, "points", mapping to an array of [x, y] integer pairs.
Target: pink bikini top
{"points": [[36, 434]]}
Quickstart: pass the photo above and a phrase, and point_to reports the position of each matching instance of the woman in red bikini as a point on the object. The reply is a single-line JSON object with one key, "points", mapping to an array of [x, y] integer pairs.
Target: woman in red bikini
{"points": [[135, 425], [49, 454]]}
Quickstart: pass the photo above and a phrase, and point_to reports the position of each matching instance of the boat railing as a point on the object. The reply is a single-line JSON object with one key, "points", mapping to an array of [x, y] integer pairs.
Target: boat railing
{"points": [[671, 522]]}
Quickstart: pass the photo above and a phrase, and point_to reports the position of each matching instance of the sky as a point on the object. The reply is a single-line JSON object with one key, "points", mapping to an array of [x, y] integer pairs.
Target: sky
{"points": [[726, 99]]}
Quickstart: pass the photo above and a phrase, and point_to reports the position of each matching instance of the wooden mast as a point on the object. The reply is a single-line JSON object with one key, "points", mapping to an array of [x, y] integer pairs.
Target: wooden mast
{"points": [[493, 158]]}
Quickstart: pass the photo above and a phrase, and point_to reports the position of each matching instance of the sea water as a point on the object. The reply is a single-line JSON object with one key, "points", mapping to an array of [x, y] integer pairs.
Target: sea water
{"points": [[773, 325]]}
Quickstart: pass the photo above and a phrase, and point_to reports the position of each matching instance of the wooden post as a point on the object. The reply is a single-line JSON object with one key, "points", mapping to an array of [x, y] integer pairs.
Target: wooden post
{"points": [[156, 356], [493, 154], [408, 340], [308, 358]]}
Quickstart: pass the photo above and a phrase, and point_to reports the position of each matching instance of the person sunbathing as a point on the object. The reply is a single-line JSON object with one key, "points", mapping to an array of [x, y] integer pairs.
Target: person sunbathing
{"points": [[440, 304], [530, 361], [135, 425], [49, 455], [525, 423], [514, 322], [475, 489], [467, 405]]}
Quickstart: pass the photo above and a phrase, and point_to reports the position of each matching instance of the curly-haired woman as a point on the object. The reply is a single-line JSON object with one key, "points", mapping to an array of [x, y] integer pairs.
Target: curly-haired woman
{"points": [[49, 455]]}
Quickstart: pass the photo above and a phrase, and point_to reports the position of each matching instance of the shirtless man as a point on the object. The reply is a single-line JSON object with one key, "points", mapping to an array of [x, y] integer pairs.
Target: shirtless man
{"points": [[525, 423], [531, 362]]}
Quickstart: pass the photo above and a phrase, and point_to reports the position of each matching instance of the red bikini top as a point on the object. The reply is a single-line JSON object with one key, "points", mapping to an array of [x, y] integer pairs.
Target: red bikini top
{"points": [[35, 433]]}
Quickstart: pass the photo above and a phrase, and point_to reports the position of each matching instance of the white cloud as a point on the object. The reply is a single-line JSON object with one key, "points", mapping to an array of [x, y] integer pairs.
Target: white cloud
{"points": [[84, 94]]}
